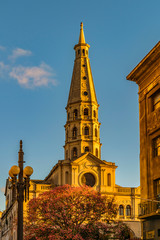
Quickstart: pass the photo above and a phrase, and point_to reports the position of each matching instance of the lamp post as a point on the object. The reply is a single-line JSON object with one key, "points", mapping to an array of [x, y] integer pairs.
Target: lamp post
{"points": [[19, 186]]}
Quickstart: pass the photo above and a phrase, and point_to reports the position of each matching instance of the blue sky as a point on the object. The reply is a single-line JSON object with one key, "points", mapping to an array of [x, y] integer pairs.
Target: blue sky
{"points": [[36, 62]]}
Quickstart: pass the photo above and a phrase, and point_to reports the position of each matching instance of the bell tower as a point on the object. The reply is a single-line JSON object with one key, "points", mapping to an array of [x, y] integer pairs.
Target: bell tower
{"points": [[82, 129]]}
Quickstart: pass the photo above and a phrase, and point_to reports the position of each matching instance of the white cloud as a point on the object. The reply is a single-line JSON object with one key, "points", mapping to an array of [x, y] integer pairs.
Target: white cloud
{"points": [[3, 69], [2, 48], [19, 52], [3, 66], [28, 77], [31, 77], [3, 189]]}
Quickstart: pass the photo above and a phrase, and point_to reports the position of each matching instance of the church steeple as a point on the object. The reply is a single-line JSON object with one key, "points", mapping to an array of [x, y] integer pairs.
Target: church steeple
{"points": [[82, 86], [82, 126]]}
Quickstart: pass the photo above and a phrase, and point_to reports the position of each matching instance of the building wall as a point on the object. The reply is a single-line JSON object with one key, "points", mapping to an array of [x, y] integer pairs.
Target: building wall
{"points": [[8, 223], [147, 75], [9, 216], [151, 229]]}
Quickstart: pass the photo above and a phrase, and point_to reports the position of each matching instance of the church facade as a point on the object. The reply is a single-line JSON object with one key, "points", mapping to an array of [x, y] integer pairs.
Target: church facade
{"points": [[82, 162]]}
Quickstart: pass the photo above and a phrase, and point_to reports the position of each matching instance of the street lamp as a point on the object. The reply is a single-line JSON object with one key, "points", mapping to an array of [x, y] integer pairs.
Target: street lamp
{"points": [[19, 186]]}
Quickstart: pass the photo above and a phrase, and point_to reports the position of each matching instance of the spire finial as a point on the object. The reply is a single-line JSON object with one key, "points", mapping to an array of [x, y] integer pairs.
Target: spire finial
{"points": [[81, 36], [81, 25], [20, 145]]}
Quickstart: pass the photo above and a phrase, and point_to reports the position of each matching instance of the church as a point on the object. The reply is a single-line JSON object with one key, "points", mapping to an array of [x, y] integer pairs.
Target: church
{"points": [[82, 162]]}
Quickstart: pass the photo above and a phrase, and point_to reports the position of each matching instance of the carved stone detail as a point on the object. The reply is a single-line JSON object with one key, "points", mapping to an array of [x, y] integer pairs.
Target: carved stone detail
{"points": [[153, 121], [141, 96]]}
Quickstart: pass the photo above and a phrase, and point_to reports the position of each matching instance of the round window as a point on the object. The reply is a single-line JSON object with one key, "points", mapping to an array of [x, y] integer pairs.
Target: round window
{"points": [[85, 93], [88, 179]]}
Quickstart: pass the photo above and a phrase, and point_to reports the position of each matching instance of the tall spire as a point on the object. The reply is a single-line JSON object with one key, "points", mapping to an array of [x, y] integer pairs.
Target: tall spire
{"points": [[82, 85], [81, 35], [82, 126]]}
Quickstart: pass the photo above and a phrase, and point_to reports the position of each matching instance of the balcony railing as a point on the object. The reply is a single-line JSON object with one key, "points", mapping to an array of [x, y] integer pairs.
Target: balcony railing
{"points": [[124, 190], [148, 208]]}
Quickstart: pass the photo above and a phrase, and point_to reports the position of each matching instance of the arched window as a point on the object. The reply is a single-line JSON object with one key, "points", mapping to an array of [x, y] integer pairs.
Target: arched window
{"points": [[86, 131], [109, 179], [95, 132], [121, 210], [86, 149], [66, 177], [83, 52], [96, 152], [128, 210], [86, 111], [74, 133], [94, 113], [68, 116], [74, 152], [75, 114]]}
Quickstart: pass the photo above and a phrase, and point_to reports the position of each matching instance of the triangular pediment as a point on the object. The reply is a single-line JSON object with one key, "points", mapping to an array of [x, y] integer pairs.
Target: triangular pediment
{"points": [[90, 158]]}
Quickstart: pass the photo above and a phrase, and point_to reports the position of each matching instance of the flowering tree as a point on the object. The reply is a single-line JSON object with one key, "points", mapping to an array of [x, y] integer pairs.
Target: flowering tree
{"points": [[101, 231], [63, 212]]}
